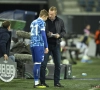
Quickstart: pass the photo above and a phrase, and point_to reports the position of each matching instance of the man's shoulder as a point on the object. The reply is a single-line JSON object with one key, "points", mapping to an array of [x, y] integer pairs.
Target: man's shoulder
{"points": [[40, 21], [37, 21], [33, 21], [3, 30], [59, 19]]}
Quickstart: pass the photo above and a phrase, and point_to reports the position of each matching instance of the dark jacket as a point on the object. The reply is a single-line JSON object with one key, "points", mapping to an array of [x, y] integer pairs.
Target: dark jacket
{"points": [[5, 40], [60, 29]]}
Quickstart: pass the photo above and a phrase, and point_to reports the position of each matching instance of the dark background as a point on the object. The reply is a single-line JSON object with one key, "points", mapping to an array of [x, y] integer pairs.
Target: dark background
{"points": [[27, 7], [79, 23]]}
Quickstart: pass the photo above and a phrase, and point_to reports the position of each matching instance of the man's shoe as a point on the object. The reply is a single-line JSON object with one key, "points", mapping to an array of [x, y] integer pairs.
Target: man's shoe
{"points": [[44, 84], [39, 86], [58, 85]]}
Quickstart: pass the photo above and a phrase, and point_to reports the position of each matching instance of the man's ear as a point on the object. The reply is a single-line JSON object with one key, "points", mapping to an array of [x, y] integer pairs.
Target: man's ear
{"points": [[8, 27]]}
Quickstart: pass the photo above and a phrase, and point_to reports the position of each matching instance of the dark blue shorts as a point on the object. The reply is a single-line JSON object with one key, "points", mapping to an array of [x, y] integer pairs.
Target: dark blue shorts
{"points": [[37, 53]]}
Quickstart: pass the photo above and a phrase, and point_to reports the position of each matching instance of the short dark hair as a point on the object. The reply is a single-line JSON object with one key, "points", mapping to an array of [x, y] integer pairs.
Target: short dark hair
{"points": [[6, 24], [43, 12]]}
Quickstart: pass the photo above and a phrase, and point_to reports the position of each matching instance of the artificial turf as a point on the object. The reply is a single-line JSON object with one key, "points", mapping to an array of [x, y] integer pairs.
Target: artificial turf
{"points": [[78, 82]]}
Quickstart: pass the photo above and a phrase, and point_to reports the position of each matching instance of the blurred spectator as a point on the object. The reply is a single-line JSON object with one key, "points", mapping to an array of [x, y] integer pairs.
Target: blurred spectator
{"points": [[97, 41], [84, 42]]}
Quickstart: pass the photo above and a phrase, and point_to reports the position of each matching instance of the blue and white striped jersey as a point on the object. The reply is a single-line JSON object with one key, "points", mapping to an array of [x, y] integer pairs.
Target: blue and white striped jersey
{"points": [[38, 37]]}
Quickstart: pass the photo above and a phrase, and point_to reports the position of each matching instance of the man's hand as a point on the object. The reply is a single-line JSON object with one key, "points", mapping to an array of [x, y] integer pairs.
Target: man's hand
{"points": [[57, 35], [46, 50], [5, 57], [49, 34]]}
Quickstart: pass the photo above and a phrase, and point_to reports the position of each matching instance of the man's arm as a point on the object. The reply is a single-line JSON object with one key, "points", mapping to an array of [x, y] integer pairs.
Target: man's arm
{"points": [[44, 39], [45, 42], [63, 31], [3, 42], [44, 35]]}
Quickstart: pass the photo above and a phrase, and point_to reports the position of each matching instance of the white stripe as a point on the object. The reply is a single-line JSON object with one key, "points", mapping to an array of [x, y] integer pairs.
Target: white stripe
{"points": [[37, 63]]}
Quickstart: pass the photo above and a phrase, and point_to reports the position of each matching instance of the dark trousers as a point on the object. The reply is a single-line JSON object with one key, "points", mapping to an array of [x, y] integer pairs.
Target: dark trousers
{"points": [[56, 53], [97, 50]]}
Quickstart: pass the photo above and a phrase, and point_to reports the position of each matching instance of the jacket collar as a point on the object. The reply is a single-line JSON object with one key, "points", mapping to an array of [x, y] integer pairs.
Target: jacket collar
{"points": [[56, 18]]}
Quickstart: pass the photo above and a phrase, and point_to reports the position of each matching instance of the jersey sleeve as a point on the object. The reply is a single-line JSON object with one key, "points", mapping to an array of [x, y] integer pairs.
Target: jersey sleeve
{"points": [[44, 35]]}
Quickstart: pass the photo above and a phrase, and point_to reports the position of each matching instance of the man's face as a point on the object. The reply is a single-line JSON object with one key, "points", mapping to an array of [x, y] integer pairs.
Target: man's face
{"points": [[52, 15]]}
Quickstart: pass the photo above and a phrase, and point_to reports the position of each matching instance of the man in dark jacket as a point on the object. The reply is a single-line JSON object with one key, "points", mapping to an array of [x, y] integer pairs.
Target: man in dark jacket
{"points": [[55, 31], [5, 39]]}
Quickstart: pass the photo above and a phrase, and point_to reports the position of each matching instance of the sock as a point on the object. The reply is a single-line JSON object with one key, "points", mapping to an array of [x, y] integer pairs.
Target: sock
{"points": [[36, 73]]}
